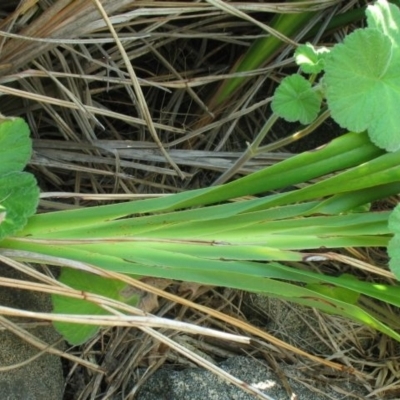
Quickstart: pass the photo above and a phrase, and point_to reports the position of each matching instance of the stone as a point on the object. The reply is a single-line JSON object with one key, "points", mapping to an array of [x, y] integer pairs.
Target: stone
{"points": [[42, 378], [199, 384]]}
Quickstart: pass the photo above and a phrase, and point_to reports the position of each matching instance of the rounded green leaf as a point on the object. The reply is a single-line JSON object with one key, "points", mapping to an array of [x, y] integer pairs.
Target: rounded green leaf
{"points": [[19, 196], [15, 145], [295, 100], [363, 86], [385, 17], [310, 59], [87, 282]]}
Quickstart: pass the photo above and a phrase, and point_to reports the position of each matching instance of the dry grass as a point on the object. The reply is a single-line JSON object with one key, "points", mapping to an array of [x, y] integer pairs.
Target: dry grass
{"points": [[123, 111], [117, 96]]}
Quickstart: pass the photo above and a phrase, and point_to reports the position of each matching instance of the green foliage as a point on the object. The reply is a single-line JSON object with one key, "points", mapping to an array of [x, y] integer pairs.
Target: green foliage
{"points": [[88, 283], [260, 52], [15, 145], [363, 86], [297, 100], [310, 59], [201, 236], [361, 81], [385, 17], [263, 49], [394, 244], [340, 293], [241, 244], [19, 193]]}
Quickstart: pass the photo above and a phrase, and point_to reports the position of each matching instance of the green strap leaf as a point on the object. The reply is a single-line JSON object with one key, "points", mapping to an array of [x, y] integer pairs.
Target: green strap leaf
{"points": [[394, 244], [346, 151]]}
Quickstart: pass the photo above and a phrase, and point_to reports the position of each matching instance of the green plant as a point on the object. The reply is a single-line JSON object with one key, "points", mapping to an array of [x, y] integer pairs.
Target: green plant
{"points": [[360, 83], [264, 49], [204, 236], [191, 236], [19, 193]]}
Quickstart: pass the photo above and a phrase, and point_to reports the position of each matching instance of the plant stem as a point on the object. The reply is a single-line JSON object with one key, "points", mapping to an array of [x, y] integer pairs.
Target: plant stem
{"points": [[249, 153], [295, 136], [255, 148]]}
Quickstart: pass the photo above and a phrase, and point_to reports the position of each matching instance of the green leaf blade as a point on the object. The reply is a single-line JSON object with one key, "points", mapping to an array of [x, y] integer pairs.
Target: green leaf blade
{"points": [[394, 244]]}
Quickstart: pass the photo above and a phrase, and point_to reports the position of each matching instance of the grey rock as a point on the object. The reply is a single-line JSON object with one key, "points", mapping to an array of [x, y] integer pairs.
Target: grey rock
{"points": [[292, 323], [299, 326], [41, 379], [199, 384]]}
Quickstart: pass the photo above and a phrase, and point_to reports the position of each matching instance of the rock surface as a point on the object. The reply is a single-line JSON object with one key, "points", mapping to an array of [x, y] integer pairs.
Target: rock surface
{"points": [[41, 379], [199, 384]]}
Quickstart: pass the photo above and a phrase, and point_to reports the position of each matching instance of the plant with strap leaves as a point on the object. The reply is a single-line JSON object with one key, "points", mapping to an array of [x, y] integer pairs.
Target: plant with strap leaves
{"points": [[203, 236]]}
